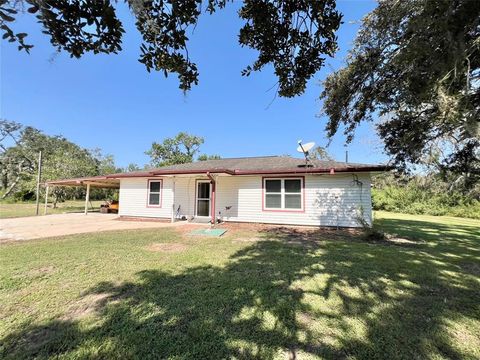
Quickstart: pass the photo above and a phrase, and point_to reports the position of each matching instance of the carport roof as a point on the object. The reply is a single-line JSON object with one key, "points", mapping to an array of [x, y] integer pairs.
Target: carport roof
{"points": [[94, 181]]}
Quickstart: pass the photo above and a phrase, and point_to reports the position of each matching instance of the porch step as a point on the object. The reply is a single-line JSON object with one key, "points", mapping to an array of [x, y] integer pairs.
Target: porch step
{"points": [[200, 220]]}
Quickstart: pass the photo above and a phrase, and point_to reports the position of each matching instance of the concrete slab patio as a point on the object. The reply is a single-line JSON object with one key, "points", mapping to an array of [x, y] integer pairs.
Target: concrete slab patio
{"points": [[35, 227]]}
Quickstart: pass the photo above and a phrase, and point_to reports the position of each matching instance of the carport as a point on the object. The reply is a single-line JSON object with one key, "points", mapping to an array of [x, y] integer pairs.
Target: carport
{"points": [[87, 182]]}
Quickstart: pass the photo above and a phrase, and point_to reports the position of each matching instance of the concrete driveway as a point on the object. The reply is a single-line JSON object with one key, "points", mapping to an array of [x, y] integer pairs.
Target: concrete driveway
{"points": [[35, 227]]}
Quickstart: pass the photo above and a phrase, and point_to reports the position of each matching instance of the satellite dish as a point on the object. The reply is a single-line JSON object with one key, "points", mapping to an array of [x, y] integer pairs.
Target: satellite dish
{"points": [[305, 148]]}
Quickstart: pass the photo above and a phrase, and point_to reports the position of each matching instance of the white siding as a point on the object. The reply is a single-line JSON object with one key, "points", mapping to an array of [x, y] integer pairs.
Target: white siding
{"points": [[330, 200], [179, 191], [185, 195], [133, 198]]}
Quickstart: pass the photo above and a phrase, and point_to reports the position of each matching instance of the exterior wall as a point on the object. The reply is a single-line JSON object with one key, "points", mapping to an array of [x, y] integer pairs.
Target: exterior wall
{"points": [[185, 191], [179, 191], [329, 200], [133, 198]]}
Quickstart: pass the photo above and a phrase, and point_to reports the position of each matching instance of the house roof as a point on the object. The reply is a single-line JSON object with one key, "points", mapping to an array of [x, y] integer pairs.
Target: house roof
{"points": [[256, 165], [280, 165]]}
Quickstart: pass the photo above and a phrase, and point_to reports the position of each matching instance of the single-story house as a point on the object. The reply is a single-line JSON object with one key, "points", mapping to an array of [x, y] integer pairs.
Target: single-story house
{"points": [[268, 189]]}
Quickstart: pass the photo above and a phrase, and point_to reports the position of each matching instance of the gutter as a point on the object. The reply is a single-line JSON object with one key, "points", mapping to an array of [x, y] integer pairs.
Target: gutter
{"points": [[315, 170], [200, 171], [171, 172]]}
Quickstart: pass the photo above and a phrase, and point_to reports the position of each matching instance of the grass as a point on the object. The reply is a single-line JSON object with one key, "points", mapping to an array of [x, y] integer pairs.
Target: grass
{"points": [[266, 293], [11, 210]]}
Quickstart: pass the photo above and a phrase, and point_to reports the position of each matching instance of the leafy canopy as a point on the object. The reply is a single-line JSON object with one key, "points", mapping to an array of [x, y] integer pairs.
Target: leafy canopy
{"points": [[180, 149], [320, 153], [293, 36], [205, 157], [416, 64], [62, 159]]}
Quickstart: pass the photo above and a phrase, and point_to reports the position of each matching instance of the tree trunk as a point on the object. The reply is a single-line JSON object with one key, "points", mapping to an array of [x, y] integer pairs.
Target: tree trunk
{"points": [[17, 179], [11, 187], [4, 180]]}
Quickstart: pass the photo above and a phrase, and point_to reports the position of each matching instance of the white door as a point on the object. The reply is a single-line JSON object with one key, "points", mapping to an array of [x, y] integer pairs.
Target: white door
{"points": [[203, 198]]}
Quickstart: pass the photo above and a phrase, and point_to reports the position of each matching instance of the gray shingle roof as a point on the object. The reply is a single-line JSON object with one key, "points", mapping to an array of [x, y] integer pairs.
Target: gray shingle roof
{"points": [[253, 163], [256, 165]]}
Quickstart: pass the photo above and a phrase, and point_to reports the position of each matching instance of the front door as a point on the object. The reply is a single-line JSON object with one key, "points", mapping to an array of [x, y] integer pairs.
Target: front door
{"points": [[203, 198]]}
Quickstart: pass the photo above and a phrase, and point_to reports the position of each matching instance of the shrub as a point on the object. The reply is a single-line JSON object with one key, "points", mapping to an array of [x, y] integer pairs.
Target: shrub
{"points": [[413, 199], [370, 231], [24, 195]]}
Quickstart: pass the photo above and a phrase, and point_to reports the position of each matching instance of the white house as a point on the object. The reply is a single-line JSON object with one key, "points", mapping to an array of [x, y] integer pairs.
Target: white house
{"points": [[271, 189]]}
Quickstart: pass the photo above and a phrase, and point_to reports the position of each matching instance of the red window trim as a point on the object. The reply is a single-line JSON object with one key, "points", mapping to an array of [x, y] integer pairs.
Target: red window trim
{"points": [[148, 193], [283, 210]]}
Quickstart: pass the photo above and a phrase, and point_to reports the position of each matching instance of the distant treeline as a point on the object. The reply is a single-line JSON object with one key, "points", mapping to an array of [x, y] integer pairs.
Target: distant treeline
{"points": [[425, 194], [19, 149], [62, 159]]}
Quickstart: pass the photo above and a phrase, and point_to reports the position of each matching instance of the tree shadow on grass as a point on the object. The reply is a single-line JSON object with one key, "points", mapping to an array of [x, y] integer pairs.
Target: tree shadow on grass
{"points": [[460, 237], [275, 298]]}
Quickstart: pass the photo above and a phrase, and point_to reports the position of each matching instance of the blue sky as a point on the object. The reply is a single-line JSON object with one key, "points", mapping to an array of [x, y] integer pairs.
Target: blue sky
{"points": [[111, 102]]}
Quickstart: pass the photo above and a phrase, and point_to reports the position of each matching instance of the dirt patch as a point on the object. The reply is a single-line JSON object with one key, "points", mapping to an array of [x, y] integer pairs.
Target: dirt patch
{"points": [[305, 319], [308, 236], [252, 239], [41, 271], [401, 241], [234, 228], [303, 235], [88, 305], [471, 268], [167, 247], [255, 232], [37, 338]]}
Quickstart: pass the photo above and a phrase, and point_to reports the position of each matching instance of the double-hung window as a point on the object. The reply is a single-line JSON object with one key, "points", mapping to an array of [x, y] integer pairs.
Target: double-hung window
{"points": [[155, 193], [283, 194]]}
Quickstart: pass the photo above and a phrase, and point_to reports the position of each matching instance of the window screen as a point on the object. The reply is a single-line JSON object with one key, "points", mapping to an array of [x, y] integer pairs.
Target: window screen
{"points": [[273, 191], [273, 186], [154, 193], [283, 194]]}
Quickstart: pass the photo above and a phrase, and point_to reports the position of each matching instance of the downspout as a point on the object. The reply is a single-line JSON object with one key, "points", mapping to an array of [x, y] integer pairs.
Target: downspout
{"points": [[173, 203], [212, 200]]}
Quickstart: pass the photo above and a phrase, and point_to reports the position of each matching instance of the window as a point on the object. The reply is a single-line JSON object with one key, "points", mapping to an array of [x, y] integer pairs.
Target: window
{"points": [[283, 194], [155, 193], [273, 194]]}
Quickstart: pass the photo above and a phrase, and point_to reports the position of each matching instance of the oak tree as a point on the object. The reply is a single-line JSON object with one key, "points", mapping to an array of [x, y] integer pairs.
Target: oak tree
{"points": [[177, 150], [415, 65], [205, 157], [292, 36], [62, 159]]}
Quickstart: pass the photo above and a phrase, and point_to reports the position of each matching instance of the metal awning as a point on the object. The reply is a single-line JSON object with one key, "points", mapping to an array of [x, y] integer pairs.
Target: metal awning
{"points": [[88, 182], [94, 181]]}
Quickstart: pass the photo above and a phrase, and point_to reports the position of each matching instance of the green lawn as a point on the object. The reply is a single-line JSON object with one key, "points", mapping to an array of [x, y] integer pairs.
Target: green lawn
{"points": [[10, 210], [266, 294]]}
